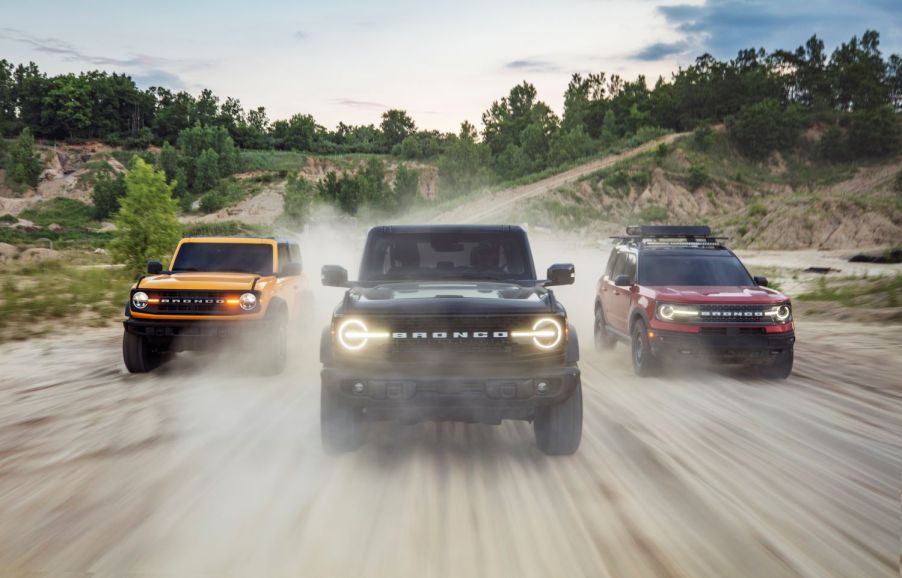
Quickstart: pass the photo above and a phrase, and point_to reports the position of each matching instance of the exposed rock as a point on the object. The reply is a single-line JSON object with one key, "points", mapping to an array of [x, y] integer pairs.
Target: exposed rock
{"points": [[100, 251], [56, 228], [39, 254], [8, 252], [27, 226]]}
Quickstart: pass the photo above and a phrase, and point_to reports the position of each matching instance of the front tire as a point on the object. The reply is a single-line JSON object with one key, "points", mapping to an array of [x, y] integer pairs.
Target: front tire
{"points": [[604, 340], [781, 368], [558, 428], [274, 358], [340, 423], [138, 355], [644, 362]]}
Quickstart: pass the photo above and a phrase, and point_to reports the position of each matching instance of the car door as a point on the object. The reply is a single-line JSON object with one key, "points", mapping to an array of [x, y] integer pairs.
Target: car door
{"points": [[620, 298], [610, 292], [287, 285]]}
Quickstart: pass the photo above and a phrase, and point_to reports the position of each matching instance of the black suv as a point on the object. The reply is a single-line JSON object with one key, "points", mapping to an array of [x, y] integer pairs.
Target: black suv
{"points": [[449, 323]]}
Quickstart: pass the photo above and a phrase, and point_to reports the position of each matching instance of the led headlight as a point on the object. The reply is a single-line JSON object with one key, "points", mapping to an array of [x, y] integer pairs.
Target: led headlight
{"points": [[671, 312], [779, 313], [139, 300], [546, 333], [353, 334], [247, 301]]}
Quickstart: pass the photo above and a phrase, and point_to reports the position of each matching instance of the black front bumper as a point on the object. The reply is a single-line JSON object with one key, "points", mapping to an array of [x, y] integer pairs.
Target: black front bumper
{"points": [[731, 346], [434, 395], [178, 335]]}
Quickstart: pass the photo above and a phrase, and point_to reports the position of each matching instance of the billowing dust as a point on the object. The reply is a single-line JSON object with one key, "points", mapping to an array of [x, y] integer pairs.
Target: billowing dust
{"points": [[205, 468]]}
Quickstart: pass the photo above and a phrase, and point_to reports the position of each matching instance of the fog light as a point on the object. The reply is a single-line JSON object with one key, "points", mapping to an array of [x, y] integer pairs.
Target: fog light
{"points": [[542, 387], [359, 387]]}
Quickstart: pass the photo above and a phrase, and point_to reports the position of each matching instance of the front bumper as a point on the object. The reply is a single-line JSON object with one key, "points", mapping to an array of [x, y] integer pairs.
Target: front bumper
{"points": [[730, 346], [184, 335], [479, 396]]}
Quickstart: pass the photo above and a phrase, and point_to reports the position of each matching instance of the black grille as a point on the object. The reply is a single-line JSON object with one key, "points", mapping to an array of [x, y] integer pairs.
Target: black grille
{"points": [[716, 313], [193, 303]]}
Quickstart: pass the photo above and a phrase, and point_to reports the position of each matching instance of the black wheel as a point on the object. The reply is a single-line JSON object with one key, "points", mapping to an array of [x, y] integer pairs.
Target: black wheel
{"points": [[138, 355], [340, 423], [779, 368], [559, 428], [272, 361], [604, 339], [644, 363]]}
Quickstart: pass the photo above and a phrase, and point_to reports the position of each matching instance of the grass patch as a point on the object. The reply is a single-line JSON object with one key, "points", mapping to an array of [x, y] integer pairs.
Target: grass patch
{"points": [[871, 292], [68, 213]]}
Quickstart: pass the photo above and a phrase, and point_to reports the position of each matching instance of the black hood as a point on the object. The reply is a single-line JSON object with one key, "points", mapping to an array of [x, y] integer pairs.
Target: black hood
{"points": [[449, 298]]}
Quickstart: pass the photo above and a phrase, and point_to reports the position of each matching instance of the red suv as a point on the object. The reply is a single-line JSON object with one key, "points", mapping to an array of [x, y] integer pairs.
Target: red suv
{"points": [[677, 292]]}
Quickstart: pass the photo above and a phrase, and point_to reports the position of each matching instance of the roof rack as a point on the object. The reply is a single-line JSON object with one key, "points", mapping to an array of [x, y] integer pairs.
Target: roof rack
{"points": [[671, 236]]}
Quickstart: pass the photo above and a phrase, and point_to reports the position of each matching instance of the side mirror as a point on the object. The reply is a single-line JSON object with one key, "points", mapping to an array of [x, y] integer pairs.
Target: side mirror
{"points": [[560, 274], [290, 270], [154, 267], [760, 281], [623, 281], [334, 276]]}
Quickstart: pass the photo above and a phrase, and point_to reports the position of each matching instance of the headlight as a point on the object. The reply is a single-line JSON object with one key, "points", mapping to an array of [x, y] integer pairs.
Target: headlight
{"points": [[546, 333], [779, 313], [247, 301], [353, 334], [139, 300], [672, 312]]}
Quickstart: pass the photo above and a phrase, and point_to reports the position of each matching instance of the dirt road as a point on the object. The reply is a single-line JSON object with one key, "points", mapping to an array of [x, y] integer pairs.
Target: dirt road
{"points": [[204, 469]]}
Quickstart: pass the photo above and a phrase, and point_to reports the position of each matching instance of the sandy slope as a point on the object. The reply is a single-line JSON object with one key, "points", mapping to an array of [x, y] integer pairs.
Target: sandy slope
{"points": [[205, 469]]}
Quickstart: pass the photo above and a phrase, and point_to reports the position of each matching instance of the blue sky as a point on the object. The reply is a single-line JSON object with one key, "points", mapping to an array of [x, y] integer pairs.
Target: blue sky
{"points": [[443, 62]]}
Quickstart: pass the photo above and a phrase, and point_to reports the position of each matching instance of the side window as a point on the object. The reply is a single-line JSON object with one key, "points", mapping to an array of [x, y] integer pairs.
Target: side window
{"points": [[629, 268], [295, 253], [619, 265], [284, 257], [609, 269]]}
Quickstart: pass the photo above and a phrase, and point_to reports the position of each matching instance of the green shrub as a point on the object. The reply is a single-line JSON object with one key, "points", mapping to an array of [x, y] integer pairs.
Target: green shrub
{"points": [[703, 137], [68, 213], [23, 165], [833, 146], [757, 210], [874, 133], [698, 176], [763, 127], [297, 200], [897, 184], [226, 229], [653, 214], [661, 152], [109, 187], [407, 185], [7, 218], [640, 179]]}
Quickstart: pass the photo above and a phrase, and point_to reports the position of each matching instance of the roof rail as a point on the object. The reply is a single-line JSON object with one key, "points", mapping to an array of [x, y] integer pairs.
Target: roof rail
{"points": [[671, 236]]}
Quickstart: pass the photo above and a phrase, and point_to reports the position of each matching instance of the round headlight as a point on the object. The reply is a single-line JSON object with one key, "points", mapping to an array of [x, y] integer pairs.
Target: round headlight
{"points": [[352, 334], [783, 312], [666, 311], [139, 300], [548, 333], [247, 301]]}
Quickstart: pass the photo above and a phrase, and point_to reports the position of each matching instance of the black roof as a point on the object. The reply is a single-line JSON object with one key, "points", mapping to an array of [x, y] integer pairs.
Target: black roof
{"points": [[446, 229]]}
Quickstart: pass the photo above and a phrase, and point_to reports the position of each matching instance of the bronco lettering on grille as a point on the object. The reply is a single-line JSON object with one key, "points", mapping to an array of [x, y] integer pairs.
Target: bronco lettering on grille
{"points": [[452, 334]]}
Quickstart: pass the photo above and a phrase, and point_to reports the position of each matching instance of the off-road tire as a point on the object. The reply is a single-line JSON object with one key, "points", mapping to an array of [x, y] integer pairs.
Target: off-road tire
{"points": [[644, 362], [779, 368], [341, 425], [604, 340], [275, 355], [138, 355], [559, 428]]}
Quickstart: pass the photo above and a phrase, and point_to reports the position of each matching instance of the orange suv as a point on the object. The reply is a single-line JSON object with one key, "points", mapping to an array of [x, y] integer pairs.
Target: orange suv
{"points": [[216, 288]]}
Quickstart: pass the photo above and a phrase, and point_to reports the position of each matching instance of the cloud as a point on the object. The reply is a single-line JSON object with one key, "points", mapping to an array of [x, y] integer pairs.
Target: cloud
{"points": [[301, 35], [532, 65], [160, 78], [350, 102], [725, 26], [660, 50]]}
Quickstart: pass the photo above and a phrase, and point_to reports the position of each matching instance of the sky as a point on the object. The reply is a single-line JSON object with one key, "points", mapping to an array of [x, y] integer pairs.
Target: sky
{"points": [[443, 62]]}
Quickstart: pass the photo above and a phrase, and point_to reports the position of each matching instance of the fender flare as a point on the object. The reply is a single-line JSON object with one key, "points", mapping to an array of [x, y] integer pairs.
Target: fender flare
{"points": [[325, 346], [572, 355], [637, 313]]}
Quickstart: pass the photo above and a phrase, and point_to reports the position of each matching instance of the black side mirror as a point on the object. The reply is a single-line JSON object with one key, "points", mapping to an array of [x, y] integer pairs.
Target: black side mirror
{"points": [[560, 274], [290, 270], [334, 276], [760, 281], [154, 267], [623, 281]]}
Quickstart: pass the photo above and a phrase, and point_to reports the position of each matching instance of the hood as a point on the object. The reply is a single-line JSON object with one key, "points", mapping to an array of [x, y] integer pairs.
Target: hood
{"points": [[735, 294], [450, 297], [200, 281]]}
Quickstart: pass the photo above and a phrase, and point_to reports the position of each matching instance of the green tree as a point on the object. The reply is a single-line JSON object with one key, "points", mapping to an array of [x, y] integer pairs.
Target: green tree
{"points": [[146, 224], [464, 165], [298, 199], [407, 185], [207, 171], [23, 165], [109, 188], [299, 133], [396, 126], [874, 132], [764, 127]]}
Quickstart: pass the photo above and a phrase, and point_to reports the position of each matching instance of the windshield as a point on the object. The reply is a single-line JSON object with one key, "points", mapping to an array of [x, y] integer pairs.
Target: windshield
{"points": [[707, 270], [442, 256], [256, 259]]}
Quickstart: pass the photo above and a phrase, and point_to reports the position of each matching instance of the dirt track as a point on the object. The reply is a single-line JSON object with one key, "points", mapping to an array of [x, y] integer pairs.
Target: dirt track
{"points": [[203, 469]]}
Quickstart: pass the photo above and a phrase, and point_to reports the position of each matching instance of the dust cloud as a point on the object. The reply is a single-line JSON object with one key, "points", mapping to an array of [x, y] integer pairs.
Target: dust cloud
{"points": [[205, 468]]}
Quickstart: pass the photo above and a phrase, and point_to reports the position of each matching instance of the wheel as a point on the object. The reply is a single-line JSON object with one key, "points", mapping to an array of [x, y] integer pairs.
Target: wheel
{"points": [[340, 423], [604, 339], [272, 362], [779, 368], [138, 355], [559, 428], [644, 362]]}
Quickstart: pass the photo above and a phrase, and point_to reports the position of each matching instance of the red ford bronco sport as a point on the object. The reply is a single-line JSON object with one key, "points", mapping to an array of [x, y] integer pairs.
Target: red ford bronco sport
{"points": [[676, 291]]}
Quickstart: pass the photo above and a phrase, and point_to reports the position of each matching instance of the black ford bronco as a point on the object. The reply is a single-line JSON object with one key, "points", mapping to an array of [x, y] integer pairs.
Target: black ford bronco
{"points": [[449, 323]]}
